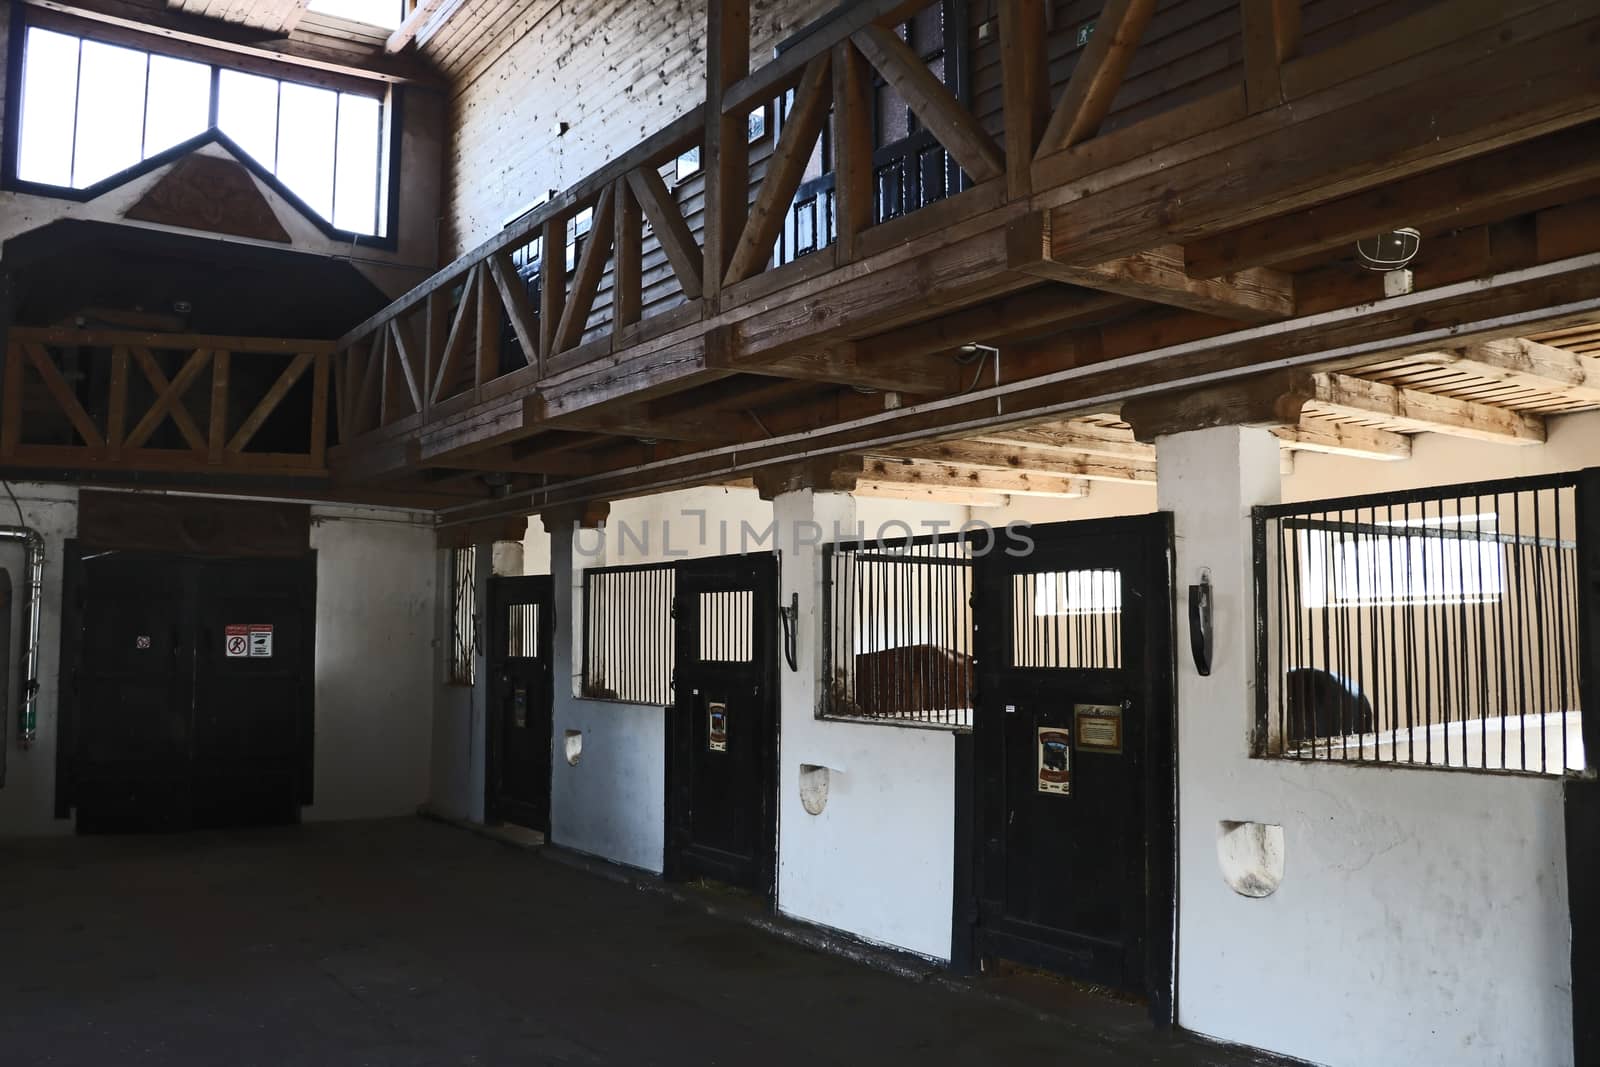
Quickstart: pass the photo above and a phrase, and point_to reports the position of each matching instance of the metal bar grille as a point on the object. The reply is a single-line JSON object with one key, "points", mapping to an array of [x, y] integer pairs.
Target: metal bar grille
{"points": [[522, 631], [1435, 628], [727, 626], [1067, 619], [463, 615], [899, 626], [627, 633]]}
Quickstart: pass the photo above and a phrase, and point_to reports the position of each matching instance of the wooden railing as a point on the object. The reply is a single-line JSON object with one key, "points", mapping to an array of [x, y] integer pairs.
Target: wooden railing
{"points": [[429, 378], [106, 399]]}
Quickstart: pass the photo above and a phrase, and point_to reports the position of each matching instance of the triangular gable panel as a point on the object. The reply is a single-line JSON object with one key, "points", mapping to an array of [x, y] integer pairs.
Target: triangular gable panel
{"points": [[212, 193]]}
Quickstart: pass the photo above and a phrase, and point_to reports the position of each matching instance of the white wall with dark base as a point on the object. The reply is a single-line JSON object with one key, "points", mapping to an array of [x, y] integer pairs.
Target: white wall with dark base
{"points": [[611, 802], [878, 860], [1422, 915]]}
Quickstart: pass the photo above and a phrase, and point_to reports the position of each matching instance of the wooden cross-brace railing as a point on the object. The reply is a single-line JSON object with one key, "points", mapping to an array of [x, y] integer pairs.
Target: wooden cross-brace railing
{"points": [[106, 396]]}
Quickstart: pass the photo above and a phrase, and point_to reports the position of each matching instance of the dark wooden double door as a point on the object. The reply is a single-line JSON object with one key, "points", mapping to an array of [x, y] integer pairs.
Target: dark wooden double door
{"points": [[521, 629], [1074, 772], [722, 728], [187, 690]]}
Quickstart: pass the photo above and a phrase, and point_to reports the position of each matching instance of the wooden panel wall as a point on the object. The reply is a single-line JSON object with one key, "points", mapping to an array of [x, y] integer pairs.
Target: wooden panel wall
{"points": [[612, 71], [545, 92]]}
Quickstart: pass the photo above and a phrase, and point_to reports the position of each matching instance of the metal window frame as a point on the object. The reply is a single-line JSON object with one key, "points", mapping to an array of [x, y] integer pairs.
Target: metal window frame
{"points": [[386, 191]]}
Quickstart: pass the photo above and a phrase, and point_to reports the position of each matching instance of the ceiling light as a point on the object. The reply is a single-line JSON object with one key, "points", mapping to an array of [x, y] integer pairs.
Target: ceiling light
{"points": [[1391, 250]]}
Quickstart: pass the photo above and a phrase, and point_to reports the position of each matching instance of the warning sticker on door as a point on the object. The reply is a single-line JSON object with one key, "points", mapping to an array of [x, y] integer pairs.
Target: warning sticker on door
{"points": [[717, 727], [1055, 760], [247, 640]]}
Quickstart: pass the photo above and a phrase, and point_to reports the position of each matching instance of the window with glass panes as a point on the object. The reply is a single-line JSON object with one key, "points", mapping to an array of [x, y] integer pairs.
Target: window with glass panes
{"points": [[91, 109]]}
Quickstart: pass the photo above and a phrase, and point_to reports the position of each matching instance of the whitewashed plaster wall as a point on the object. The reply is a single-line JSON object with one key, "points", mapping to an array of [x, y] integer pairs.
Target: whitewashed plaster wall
{"points": [[1422, 917]]}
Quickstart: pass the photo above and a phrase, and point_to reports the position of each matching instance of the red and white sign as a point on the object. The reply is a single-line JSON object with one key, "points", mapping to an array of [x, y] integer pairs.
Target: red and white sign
{"points": [[247, 640]]}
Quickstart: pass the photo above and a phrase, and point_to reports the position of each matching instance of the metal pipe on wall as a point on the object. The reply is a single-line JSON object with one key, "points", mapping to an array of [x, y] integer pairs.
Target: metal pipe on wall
{"points": [[33, 595]]}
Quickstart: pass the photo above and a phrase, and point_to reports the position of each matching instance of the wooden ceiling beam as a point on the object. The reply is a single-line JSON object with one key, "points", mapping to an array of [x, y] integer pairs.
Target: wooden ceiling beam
{"points": [[1546, 167], [1025, 459], [1344, 439], [1524, 363], [849, 363], [1082, 438], [1410, 409], [199, 33], [1157, 275], [971, 498], [877, 470], [1510, 82], [425, 20]]}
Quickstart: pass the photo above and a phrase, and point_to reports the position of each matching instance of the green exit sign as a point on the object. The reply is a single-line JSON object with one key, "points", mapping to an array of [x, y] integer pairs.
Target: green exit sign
{"points": [[1084, 33]]}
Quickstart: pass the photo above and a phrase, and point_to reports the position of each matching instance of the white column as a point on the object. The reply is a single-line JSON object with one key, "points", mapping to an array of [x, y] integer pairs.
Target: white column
{"points": [[874, 857], [1210, 480]]}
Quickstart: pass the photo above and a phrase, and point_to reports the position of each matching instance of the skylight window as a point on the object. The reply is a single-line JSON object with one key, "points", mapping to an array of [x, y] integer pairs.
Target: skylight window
{"points": [[384, 13], [91, 110]]}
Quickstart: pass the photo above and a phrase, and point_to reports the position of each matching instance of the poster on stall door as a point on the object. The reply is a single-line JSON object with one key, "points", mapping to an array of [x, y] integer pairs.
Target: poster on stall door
{"points": [[1055, 761]]}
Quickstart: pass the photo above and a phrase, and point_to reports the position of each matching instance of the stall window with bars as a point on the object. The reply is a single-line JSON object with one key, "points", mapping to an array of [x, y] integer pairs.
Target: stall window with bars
{"points": [[627, 633], [1436, 628], [463, 616], [899, 625], [727, 626], [1067, 619], [522, 631]]}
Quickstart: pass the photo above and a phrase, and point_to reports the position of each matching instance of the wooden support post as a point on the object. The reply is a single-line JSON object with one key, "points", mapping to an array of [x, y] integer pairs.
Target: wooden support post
{"points": [[487, 365], [852, 147], [932, 102], [117, 413], [627, 293], [1098, 75], [586, 277], [218, 435], [11, 421], [677, 240], [405, 355], [514, 298], [319, 407], [726, 153], [169, 398], [437, 328], [1025, 76], [552, 283], [753, 249], [274, 396], [462, 327], [1271, 36]]}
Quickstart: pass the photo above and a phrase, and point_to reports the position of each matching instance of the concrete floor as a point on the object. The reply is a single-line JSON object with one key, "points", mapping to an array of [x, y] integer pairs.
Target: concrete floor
{"points": [[411, 942]]}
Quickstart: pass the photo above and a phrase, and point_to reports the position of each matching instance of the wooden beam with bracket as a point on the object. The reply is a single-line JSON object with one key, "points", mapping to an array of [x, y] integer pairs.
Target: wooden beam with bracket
{"points": [[1158, 275]]}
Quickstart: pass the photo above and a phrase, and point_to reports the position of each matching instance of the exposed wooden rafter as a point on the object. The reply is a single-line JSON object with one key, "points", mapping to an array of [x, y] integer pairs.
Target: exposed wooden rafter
{"points": [[1413, 410]]}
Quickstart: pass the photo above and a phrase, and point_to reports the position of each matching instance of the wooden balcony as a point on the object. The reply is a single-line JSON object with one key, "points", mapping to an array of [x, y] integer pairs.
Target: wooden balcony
{"points": [[1110, 245]]}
